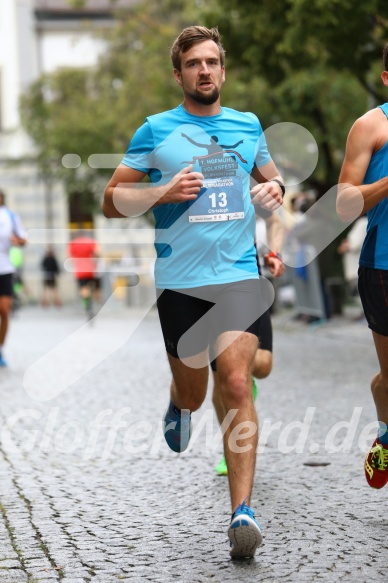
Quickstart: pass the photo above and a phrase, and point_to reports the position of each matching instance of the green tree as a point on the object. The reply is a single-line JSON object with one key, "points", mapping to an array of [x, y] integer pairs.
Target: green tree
{"points": [[318, 61], [96, 110], [311, 62]]}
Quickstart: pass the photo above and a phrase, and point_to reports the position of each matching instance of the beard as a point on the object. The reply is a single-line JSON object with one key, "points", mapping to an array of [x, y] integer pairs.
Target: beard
{"points": [[205, 98]]}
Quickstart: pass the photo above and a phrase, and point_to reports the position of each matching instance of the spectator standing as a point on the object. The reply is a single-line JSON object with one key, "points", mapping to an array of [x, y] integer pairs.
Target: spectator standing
{"points": [[51, 271]]}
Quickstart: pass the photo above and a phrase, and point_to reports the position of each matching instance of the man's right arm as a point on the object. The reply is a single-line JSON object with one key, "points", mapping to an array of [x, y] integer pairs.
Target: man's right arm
{"points": [[126, 196], [353, 197]]}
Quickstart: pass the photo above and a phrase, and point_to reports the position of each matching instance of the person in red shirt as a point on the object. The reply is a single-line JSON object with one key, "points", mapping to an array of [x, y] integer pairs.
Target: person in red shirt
{"points": [[84, 250]]}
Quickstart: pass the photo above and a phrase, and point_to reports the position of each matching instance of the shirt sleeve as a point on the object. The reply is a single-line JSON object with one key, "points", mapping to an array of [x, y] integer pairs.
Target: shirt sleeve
{"points": [[19, 228], [139, 154], [262, 156]]}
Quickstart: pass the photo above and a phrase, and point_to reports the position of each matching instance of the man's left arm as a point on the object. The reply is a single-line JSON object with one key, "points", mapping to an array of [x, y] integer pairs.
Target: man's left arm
{"points": [[275, 237], [353, 196]]}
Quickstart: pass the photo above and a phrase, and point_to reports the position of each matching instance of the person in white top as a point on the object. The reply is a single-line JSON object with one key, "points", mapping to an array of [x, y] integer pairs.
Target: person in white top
{"points": [[11, 233]]}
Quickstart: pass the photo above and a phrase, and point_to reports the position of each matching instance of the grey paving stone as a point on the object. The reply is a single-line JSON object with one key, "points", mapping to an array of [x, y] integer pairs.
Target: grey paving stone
{"points": [[82, 494], [9, 564]]}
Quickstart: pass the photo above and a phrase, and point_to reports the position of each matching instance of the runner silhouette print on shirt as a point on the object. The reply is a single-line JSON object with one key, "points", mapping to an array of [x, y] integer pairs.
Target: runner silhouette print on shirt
{"points": [[213, 148]]}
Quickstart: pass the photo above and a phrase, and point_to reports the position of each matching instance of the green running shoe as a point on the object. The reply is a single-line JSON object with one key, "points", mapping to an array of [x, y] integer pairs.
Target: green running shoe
{"points": [[222, 468], [254, 388]]}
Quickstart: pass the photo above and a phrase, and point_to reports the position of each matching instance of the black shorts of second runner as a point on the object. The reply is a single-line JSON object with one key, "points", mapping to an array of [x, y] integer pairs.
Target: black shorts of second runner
{"points": [[6, 281], [265, 335], [373, 290], [85, 281], [192, 319]]}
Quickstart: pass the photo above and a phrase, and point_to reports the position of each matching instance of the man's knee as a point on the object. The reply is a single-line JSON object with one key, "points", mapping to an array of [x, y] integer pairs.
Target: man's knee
{"points": [[236, 390]]}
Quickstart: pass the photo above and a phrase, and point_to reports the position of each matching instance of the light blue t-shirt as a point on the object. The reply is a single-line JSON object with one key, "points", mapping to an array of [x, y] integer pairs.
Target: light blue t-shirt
{"points": [[210, 241], [374, 252]]}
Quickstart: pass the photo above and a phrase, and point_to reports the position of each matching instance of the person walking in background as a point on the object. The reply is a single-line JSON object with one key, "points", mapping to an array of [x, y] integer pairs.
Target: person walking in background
{"points": [[51, 271], [11, 233], [363, 187], [83, 250], [206, 274]]}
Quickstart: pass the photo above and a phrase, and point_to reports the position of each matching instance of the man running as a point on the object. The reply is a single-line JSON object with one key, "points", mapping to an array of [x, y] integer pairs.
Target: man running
{"points": [[364, 188], [11, 233], [206, 272]]}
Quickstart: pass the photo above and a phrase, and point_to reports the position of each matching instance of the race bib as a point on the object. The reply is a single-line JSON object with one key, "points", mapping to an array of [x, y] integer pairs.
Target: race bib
{"points": [[220, 199]]}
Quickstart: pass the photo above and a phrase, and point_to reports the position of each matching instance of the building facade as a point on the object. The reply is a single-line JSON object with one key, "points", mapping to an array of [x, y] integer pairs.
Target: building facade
{"points": [[37, 37]]}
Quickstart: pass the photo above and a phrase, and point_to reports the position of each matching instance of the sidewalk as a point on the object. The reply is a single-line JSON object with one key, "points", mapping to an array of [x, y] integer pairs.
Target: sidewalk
{"points": [[90, 492]]}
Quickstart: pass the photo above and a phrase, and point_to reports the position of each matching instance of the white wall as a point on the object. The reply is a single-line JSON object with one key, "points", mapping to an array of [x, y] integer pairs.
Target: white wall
{"points": [[27, 49], [64, 49], [18, 57]]}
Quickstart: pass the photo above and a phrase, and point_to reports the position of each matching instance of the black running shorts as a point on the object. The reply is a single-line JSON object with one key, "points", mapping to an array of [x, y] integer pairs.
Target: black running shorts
{"points": [[6, 285], [192, 319], [373, 290], [85, 281], [264, 334]]}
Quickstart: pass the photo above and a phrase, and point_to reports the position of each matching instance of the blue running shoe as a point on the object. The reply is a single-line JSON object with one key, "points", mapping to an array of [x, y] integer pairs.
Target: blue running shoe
{"points": [[177, 428], [244, 533], [2, 361]]}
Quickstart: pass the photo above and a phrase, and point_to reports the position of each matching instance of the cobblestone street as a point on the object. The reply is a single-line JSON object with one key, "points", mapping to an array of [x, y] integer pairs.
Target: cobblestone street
{"points": [[90, 491]]}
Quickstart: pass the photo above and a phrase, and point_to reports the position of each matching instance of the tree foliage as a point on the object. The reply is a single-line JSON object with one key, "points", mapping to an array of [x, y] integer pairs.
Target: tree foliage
{"points": [[312, 62], [96, 110], [320, 60]]}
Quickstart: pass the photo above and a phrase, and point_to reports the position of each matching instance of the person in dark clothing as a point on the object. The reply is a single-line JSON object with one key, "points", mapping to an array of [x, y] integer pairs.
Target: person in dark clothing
{"points": [[50, 268]]}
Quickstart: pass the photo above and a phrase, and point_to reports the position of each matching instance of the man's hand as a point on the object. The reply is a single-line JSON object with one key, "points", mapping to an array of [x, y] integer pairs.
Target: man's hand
{"points": [[17, 241], [268, 195], [275, 265], [343, 247], [184, 187]]}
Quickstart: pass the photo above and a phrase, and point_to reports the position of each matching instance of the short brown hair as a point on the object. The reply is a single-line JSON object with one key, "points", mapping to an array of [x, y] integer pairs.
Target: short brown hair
{"points": [[385, 57], [191, 36]]}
